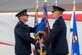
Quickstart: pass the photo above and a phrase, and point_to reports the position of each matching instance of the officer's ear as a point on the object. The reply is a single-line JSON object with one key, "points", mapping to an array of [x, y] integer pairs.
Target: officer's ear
{"points": [[19, 17], [61, 12]]}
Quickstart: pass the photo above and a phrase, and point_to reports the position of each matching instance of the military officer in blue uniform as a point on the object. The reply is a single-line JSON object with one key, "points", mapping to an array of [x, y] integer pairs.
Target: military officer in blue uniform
{"points": [[22, 35], [57, 37]]}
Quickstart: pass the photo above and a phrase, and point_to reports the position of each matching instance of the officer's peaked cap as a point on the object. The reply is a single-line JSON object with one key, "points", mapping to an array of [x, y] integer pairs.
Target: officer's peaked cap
{"points": [[24, 12], [56, 8]]}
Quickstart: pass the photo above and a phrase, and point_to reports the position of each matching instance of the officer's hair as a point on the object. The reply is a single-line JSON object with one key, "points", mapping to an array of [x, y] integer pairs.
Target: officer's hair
{"points": [[18, 18]]}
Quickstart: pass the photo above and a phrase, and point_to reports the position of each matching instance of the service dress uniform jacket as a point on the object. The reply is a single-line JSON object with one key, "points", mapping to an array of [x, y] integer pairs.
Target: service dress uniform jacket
{"points": [[57, 38], [22, 39]]}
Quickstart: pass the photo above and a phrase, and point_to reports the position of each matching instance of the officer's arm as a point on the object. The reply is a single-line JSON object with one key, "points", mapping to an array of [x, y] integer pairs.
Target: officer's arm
{"points": [[24, 35], [33, 29], [53, 34]]}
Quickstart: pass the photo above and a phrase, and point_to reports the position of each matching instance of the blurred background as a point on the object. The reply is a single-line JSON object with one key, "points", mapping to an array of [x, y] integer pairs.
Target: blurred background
{"points": [[9, 8]]}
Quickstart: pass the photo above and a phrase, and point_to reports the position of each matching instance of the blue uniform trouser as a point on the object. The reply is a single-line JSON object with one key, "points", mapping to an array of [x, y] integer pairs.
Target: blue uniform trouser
{"points": [[49, 52]]}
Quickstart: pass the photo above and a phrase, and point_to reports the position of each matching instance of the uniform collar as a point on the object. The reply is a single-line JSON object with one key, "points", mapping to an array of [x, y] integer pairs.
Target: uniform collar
{"points": [[57, 18], [22, 24]]}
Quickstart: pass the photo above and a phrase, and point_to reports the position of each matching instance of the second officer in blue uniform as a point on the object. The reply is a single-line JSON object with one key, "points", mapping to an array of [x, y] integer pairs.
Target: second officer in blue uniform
{"points": [[57, 37]]}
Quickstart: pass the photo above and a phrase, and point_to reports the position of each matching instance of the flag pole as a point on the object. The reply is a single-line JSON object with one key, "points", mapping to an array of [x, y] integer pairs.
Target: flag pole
{"points": [[71, 29], [56, 2], [36, 20], [75, 42], [36, 13], [74, 5], [45, 14], [45, 3]]}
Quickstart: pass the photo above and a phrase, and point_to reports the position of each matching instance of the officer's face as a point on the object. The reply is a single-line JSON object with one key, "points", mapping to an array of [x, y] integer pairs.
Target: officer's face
{"points": [[55, 14], [24, 18]]}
